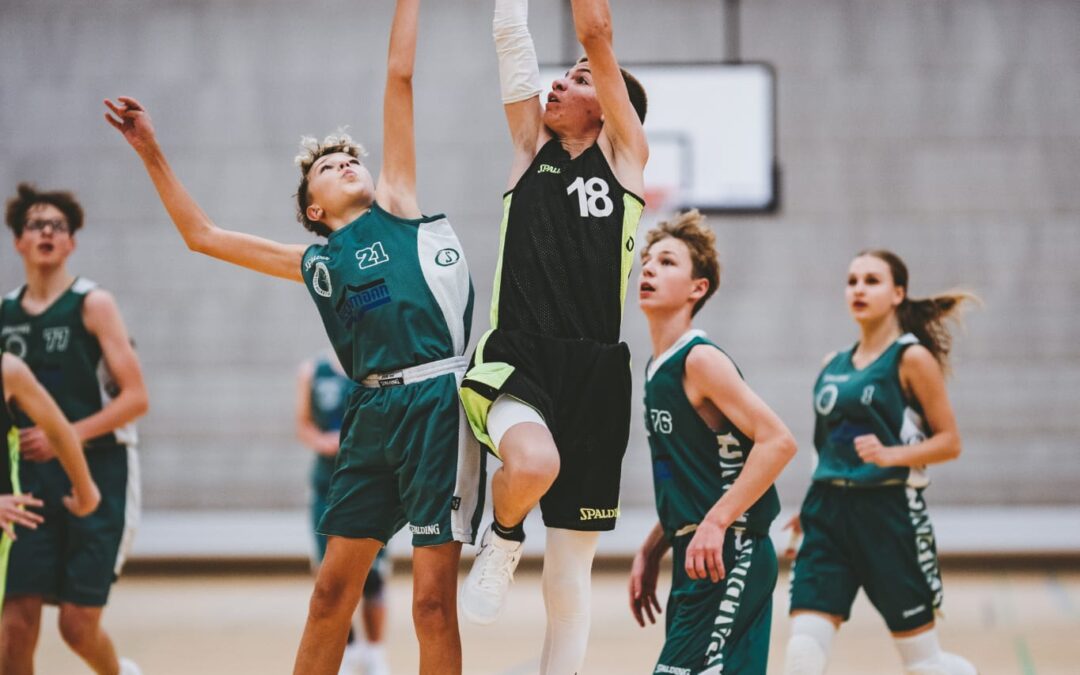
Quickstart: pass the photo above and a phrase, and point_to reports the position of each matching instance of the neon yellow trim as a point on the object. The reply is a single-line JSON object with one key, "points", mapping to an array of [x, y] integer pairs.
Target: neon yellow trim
{"points": [[478, 359], [5, 542], [498, 267], [632, 209], [476, 405]]}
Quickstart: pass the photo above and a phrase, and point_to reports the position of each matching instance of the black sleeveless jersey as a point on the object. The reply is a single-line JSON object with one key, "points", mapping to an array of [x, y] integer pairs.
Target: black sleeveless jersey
{"points": [[566, 248]]}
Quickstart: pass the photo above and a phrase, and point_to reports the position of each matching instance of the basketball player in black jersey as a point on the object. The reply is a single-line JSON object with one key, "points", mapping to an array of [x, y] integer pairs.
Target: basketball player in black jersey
{"points": [[548, 390]]}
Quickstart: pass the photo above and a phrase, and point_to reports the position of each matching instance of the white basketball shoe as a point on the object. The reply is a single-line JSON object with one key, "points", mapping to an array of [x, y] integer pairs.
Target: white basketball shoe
{"points": [[484, 592]]}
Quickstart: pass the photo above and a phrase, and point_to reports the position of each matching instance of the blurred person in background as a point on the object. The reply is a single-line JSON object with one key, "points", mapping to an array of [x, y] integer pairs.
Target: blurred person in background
{"points": [[882, 416], [70, 333]]}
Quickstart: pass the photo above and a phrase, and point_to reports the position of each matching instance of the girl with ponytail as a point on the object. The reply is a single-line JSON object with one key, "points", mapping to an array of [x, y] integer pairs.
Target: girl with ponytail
{"points": [[882, 415]]}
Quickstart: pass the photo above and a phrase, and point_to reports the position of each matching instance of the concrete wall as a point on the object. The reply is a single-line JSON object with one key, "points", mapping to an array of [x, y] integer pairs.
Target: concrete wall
{"points": [[944, 130]]}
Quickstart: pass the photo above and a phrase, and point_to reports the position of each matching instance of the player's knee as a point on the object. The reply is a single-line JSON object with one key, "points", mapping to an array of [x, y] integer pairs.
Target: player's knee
{"points": [[328, 598], [808, 647], [77, 628], [566, 593], [536, 467], [943, 664], [433, 611]]}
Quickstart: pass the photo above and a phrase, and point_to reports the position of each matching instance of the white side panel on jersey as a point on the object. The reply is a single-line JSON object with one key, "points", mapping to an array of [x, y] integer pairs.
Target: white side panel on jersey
{"points": [[132, 508], [82, 286], [109, 389], [447, 275], [912, 431], [671, 351], [468, 487]]}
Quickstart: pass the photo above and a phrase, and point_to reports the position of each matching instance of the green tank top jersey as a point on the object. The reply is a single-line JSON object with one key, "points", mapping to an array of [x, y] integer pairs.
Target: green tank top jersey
{"points": [[63, 355], [693, 465], [330, 391], [566, 248], [850, 402], [392, 293]]}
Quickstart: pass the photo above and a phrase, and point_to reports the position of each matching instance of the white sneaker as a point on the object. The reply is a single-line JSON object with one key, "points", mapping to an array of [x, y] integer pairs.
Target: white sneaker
{"points": [[484, 592], [352, 661], [128, 667], [375, 661]]}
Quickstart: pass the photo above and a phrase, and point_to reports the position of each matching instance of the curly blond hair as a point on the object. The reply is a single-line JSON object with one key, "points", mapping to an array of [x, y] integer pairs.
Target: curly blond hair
{"points": [[310, 152]]}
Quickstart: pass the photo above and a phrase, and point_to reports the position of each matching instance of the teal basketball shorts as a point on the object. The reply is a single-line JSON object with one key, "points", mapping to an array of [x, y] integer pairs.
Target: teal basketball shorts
{"points": [[876, 538], [407, 457], [722, 627], [76, 560]]}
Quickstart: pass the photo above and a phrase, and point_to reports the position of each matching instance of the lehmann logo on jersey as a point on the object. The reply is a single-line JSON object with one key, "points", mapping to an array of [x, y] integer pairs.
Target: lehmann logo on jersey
{"points": [[359, 300]]}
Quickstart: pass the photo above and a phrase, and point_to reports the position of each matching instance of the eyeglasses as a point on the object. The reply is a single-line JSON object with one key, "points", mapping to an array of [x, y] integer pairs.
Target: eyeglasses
{"points": [[58, 225]]}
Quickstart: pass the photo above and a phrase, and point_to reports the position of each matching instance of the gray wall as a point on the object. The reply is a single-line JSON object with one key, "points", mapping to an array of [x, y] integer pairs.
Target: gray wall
{"points": [[945, 130]]}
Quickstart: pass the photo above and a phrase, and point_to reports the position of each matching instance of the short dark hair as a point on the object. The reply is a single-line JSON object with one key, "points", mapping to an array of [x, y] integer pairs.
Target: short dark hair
{"points": [[310, 152], [638, 98], [28, 196]]}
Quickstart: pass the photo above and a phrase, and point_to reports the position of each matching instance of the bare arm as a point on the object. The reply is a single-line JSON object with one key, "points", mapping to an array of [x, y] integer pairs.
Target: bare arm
{"points": [[923, 380], [200, 233], [396, 190], [102, 318], [519, 74], [42, 409], [711, 377], [322, 442], [622, 127]]}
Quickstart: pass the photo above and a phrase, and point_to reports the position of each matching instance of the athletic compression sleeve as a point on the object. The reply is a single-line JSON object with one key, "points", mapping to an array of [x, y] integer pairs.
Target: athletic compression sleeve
{"points": [[519, 72]]}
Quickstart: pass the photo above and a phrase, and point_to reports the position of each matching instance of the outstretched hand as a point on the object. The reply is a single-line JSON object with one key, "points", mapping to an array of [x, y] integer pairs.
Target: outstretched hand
{"points": [[130, 118], [13, 512]]}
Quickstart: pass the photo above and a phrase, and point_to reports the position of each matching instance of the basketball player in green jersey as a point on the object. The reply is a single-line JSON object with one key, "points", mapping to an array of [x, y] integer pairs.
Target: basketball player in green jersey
{"points": [[20, 390], [322, 396], [716, 450], [883, 415], [393, 290], [548, 390], [71, 335]]}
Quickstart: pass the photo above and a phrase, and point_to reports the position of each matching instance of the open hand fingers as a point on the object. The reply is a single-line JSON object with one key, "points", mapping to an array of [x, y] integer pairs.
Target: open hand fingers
{"points": [[28, 500]]}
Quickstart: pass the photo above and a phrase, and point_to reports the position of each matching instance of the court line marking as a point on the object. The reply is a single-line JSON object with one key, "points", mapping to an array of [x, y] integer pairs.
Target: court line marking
{"points": [[1023, 654]]}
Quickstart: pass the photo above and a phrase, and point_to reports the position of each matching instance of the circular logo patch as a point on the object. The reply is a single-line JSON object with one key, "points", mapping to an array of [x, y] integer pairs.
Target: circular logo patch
{"points": [[447, 257]]}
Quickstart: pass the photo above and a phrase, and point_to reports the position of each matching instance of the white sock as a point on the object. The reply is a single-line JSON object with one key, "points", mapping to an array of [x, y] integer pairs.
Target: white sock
{"points": [[809, 645], [922, 655], [567, 584]]}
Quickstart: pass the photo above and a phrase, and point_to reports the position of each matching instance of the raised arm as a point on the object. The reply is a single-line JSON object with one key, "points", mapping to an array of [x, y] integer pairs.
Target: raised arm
{"points": [[200, 233], [396, 190], [622, 127], [519, 77], [32, 398], [712, 376]]}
